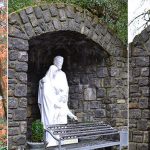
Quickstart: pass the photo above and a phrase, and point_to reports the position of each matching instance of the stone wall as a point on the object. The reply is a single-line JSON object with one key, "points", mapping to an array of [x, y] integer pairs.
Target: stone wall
{"points": [[108, 83], [92, 97], [140, 91]]}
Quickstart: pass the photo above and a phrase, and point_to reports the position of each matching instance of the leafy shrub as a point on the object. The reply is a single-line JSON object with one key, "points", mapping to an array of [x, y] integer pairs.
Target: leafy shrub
{"points": [[37, 131]]}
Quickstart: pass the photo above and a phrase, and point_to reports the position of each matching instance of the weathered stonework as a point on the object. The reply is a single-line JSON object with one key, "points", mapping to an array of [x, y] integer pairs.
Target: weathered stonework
{"points": [[97, 92], [140, 91]]}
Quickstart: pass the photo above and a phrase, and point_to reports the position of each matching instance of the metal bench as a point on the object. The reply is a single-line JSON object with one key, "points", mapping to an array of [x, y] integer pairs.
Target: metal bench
{"points": [[90, 136]]}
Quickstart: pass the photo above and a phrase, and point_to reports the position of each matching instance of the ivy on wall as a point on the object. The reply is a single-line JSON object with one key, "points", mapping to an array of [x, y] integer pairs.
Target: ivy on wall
{"points": [[111, 12]]}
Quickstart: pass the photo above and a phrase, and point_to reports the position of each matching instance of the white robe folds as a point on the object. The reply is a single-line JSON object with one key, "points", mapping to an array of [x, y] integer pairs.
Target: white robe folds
{"points": [[52, 100]]}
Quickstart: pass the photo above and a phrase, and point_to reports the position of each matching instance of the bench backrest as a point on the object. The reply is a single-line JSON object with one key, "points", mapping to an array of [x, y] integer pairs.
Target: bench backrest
{"points": [[84, 131]]}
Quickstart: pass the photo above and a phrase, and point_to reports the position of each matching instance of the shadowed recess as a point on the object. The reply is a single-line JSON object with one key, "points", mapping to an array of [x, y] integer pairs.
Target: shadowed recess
{"points": [[81, 57], [76, 48]]}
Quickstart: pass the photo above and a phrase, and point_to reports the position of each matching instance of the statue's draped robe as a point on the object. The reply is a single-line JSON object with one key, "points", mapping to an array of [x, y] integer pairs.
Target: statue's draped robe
{"points": [[52, 100]]}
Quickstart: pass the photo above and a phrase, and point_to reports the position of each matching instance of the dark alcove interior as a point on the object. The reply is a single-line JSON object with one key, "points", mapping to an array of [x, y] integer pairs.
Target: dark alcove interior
{"points": [[82, 57]]}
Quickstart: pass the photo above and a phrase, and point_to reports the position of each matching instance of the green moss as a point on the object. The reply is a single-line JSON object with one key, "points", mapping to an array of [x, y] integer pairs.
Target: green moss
{"points": [[111, 12]]}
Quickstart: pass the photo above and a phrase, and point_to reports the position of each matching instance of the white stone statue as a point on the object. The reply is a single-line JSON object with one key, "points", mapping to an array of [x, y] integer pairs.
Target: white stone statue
{"points": [[53, 98]]}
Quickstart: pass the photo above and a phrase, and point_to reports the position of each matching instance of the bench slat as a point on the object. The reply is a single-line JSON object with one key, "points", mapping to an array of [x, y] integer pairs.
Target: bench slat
{"points": [[86, 133], [96, 136], [77, 125], [63, 132], [88, 136], [79, 129]]}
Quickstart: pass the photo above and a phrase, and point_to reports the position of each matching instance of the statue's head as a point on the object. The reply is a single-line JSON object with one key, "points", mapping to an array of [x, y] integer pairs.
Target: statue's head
{"points": [[58, 61]]}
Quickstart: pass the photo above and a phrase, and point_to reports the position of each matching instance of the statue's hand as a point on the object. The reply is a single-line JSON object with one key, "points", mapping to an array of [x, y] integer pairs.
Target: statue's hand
{"points": [[75, 118]]}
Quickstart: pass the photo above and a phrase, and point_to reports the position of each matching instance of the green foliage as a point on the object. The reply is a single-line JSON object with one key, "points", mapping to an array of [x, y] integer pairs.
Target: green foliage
{"points": [[3, 148], [37, 131], [3, 121], [18, 4], [111, 12]]}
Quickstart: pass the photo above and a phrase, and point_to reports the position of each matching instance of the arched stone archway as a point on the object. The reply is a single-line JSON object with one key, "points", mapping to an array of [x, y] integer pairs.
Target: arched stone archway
{"points": [[27, 27], [139, 106]]}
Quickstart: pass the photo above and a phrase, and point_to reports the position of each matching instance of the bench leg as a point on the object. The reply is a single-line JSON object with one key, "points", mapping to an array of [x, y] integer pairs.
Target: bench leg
{"points": [[59, 145], [120, 147]]}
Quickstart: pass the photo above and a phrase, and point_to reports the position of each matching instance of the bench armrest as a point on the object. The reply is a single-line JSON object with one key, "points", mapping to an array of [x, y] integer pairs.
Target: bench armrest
{"points": [[56, 138]]}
